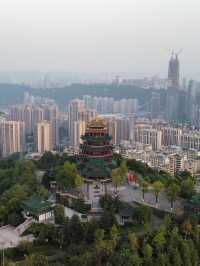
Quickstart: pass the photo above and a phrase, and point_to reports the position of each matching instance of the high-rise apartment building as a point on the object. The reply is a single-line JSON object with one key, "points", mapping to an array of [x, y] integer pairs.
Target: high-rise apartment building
{"points": [[76, 106], [148, 136], [51, 114], [12, 137], [171, 136], [78, 113], [155, 107], [29, 114], [44, 136], [111, 124], [175, 163], [190, 139], [123, 129], [79, 131]]}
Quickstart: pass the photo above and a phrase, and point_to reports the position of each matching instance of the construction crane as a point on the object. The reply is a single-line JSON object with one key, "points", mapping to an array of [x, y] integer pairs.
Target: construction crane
{"points": [[179, 52]]}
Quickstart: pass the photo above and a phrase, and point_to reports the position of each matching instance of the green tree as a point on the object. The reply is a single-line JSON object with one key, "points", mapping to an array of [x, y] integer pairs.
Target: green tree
{"points": [[125, 258], [114, 236], [48, 160], [175, 257], [142, 214], [144, 188], [78, 181], [162, 260], [174, 238], [172, 193], [134, 243], [186, 253], [101, 246], [14, 218], [159, 240], [116, 179], [187, 188], [79, 205], [59, 214], [11, 202], [157, 186], [25, 247], [36, 260], [3, 213], [107, 220], [45, 233], [167, 221], [43, 192], [123, 168], [60, 237], [119, 175], [76, 230], [90, 229], [25, 168], [148, 254], [67, 176]]}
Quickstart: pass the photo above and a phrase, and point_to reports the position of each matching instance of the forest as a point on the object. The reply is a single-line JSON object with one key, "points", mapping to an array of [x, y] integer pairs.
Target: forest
{"points": [[148, 239]]}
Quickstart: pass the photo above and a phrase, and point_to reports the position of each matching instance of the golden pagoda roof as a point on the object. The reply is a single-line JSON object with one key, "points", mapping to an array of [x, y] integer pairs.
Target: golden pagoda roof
{"points": [[96, 124]]}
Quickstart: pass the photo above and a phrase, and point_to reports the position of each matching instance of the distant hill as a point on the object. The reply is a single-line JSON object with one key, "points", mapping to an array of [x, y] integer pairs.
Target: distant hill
{"points": [[12, 94]]}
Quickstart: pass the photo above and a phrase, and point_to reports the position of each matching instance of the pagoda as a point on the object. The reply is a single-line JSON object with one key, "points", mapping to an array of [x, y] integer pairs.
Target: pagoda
{"points": [[96, 160]]}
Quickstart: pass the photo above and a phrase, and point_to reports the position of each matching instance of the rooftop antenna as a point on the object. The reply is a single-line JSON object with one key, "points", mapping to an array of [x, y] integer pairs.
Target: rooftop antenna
{"points": [[170, 52]]}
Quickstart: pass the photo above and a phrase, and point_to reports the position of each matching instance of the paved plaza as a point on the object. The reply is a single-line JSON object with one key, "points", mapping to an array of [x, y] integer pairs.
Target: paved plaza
{"points": [[130, 194], [9, 238]]}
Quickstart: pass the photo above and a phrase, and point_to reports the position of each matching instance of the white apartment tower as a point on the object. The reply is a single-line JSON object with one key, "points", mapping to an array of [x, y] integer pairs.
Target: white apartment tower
{"points": [[148, 136], [79, 130], [175, 163], [44, 136], [29, 114], [75, 107], [12, 137], [51, 114]]}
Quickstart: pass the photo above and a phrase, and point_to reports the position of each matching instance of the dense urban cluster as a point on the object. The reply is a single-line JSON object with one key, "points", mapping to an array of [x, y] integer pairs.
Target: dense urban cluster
{"points": [[102, 180]]}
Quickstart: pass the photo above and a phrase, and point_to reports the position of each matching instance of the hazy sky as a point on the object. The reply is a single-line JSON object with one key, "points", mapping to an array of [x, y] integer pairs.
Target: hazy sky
{"points": [[99, 35]]}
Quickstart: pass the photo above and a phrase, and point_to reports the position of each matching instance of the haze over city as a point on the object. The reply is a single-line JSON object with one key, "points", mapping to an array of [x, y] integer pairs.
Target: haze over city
{"points": [[132, 36], [99, 133]]}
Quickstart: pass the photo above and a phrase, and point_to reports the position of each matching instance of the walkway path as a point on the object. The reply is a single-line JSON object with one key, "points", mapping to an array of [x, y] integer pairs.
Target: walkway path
{"points": [[10, 238]]}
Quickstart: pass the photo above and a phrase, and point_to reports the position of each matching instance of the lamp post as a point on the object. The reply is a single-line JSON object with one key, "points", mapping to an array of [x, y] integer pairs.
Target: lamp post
{"points": [[3, 253]]}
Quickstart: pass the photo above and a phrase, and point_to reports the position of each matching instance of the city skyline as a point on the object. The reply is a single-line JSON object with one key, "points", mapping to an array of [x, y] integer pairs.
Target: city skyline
{"points": [[99, 133]]}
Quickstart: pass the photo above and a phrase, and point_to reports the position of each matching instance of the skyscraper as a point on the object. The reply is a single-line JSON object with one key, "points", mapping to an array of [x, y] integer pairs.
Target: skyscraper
{"points": [[172, 97], [173, 72]]}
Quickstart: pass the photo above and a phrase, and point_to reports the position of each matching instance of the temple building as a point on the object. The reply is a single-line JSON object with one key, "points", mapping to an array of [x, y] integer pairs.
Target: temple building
{"points": [[96, 161], [37, 208]]}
